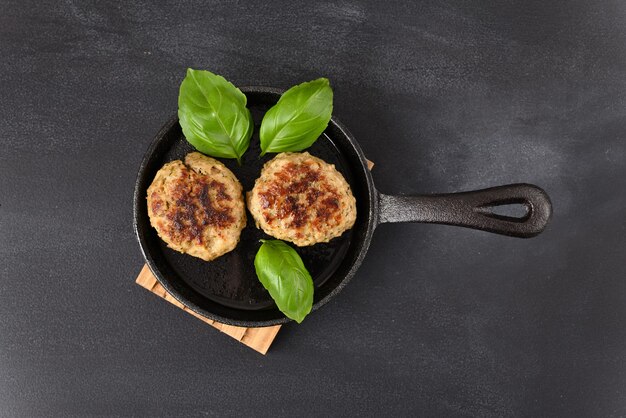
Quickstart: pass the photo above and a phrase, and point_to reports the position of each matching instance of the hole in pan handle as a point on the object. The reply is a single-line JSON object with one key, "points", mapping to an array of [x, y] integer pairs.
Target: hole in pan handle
{"points": [[473, 209]]}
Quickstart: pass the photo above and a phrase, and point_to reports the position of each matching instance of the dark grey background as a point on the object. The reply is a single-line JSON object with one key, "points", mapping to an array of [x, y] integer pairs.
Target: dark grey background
{"points": [[440, 321]]}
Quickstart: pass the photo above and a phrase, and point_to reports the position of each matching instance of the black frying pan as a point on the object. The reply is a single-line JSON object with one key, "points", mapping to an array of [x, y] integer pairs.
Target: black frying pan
{"points": [[227, 289]]}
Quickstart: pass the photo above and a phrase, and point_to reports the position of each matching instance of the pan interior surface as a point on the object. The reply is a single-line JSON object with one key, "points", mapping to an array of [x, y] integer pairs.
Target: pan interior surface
{"points": [[227, 289]]}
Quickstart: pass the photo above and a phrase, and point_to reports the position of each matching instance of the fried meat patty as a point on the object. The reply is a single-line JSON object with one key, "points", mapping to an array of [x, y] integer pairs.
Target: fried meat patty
{"points": [[197, 206], [302, 199]]}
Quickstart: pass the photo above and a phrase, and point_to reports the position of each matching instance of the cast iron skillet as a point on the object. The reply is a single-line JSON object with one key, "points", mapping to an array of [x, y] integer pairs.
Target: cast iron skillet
{"points": [[227, 289]]}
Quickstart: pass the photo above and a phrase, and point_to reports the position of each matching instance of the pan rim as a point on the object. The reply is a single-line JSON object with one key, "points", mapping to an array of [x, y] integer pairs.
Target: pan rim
{"points": [[372, 221]]}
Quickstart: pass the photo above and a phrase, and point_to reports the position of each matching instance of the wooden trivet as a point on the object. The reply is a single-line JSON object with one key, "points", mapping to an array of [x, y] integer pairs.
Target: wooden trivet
{"points": [[258, 339]]}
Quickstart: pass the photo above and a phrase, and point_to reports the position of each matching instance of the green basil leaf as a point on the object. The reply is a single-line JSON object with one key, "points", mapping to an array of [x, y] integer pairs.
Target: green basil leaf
{"points": [[213, 115], [299, 117], [281, 271]]}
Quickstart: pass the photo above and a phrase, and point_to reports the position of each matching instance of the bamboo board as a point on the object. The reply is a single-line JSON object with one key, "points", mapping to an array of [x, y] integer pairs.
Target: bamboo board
{"points": [[258, 339]]}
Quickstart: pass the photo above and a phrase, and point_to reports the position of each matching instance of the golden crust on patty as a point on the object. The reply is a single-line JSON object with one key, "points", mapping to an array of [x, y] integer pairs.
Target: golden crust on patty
{"points": [[302, 199], [197, 206]]}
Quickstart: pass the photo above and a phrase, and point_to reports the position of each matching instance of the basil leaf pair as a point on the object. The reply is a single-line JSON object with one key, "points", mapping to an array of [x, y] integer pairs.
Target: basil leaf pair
{"points": [[281, 271], [213, 115], [215, 120]]}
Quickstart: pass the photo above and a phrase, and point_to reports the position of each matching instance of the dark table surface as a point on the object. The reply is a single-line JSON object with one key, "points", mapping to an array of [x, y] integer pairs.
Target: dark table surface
{"points": [[440, 321]]}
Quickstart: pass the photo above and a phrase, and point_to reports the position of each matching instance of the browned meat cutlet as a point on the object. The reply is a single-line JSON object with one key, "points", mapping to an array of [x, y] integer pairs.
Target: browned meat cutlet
{"points": [[197, 206], [302, 199]]}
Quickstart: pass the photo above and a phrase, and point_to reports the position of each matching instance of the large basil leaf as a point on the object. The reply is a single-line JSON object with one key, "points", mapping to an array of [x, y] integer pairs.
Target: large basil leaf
{"points": [[213, 115], [282, 273], [299, 117]]}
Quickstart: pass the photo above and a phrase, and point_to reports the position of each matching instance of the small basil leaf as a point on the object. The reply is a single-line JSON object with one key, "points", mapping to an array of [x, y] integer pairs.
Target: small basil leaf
{"points": [[213, 115], [281, 271], [299, 117]]}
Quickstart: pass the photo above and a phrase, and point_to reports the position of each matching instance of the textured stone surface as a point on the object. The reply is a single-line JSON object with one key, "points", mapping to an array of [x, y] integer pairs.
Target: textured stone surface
{"points": [[443, 96]]}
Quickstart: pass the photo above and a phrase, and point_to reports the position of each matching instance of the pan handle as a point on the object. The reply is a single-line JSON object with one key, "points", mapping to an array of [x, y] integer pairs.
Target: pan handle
{"points": [[473, 209]]}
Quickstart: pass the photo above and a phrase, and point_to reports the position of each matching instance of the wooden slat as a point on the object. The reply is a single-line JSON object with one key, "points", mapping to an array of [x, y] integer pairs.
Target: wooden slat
{"points": [[259, 339], [146, 278], [172, 300], [235, 332]]}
